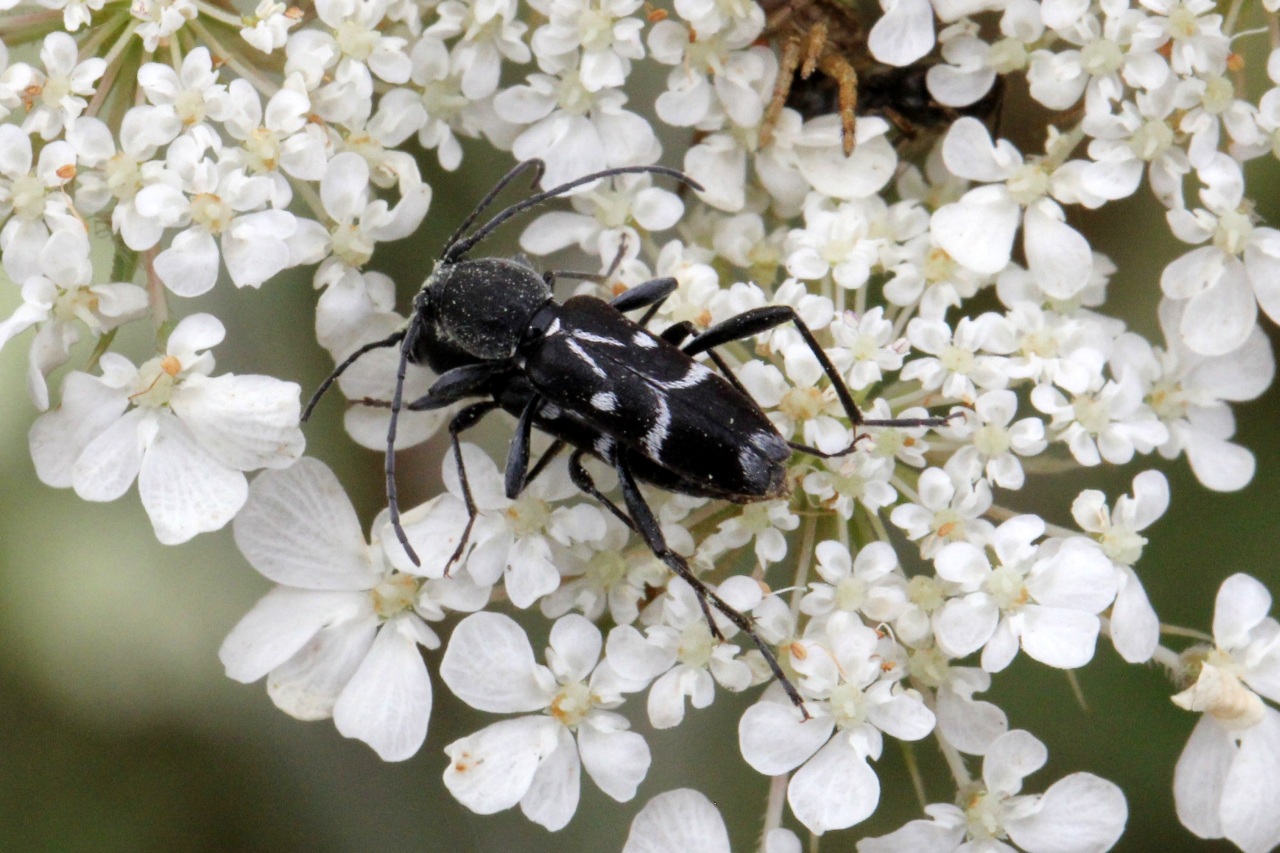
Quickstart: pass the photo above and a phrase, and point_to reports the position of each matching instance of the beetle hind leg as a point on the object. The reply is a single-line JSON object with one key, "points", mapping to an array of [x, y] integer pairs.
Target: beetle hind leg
{"points": [[647, 525]]}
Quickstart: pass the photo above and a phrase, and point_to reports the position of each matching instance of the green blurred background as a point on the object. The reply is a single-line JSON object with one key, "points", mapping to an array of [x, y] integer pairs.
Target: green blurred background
{"points": [[119, 732]]}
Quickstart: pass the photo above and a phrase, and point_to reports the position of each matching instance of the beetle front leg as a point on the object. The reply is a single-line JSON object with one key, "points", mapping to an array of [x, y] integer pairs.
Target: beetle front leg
{"points": [[518, 453], [465, 420], [646, 523]]}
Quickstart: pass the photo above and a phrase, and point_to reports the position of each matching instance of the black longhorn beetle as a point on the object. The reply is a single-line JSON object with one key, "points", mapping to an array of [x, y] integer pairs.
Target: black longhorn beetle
{"points": [[596, 381]]}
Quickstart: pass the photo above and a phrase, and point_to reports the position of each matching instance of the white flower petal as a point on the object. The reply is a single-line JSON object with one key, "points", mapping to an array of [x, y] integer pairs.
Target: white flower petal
{"points": [[489, 665], [387, 702], [616, 761], [683, 820], [247, 422], [1080, 813], [774, 739], [307, 685], [299, 528], [835, 789], [553, 794], [184, 489], [492, 769], [189, 267], [280, 624]]}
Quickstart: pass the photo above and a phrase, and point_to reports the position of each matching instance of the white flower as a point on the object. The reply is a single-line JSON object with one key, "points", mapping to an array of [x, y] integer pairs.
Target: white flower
{"points": [[860, 477], [963, 360], [605, 217], [519, 539], [187, 98], [535, 760], [1190, 392], [603, 30], [35, 199], [855, 697], [58, 95], [184, 435], [339, 637], [1043, 597], [868, 345], [979, 229], [1135, 630], [608, 578], [796, 401], [573, 130], [991, 440], [268, 27], [218, 203], [948, 511], [1225, 784], [1080, 813], [1225, 282], [869, 583], [491, 32], [63, 293], [161, 19], [360, 220], [680, 652], [1112, 422]]}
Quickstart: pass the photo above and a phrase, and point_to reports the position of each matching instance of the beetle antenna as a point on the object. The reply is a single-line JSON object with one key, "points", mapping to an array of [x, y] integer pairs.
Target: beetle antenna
{"points": [[459, 248], [537, 165], [391, 340], [393, 504]]}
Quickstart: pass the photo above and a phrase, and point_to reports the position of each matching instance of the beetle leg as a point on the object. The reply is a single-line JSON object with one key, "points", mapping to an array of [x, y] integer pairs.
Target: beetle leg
{"points": [[792, 55], [649, 529], [757, 320], [678, 333], [544, 460], [649, 294], [453, 385], [464, 420], [839, 69], [518, 453], [581, 478]]}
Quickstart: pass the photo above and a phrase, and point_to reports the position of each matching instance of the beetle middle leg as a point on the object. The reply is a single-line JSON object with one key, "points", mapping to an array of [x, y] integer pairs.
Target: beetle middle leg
{"points": [[758, 320], [646, 523]]}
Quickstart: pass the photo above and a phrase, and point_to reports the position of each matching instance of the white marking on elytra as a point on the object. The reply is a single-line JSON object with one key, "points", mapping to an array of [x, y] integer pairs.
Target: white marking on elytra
{"points": [[644, 341], [658, 433], [697, 374], [749, 461], [551, 411], [604, 446], [590, 337], [604, 401], [576, 349]]}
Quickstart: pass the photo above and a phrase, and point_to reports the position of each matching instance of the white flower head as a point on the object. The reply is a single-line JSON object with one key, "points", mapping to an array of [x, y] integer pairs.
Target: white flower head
{"points": [[186, 436], [536, 760], [339, 636], [1080, 813], [1225, 785]]}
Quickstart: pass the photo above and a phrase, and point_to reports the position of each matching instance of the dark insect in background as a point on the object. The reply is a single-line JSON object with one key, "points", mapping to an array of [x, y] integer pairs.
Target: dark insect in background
{"points": [[598, 383], [825, 66]]}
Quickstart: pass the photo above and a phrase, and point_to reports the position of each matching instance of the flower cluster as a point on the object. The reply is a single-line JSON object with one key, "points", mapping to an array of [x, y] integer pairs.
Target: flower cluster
{"points": [[936, 272]]}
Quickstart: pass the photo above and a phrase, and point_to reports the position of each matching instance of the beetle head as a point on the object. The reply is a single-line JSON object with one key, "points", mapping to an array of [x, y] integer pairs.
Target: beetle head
{"points": [[477, 308]]}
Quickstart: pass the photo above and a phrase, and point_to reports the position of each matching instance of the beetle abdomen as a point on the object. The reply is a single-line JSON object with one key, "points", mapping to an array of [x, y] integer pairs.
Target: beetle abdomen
{"points": [[654, 400]]}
